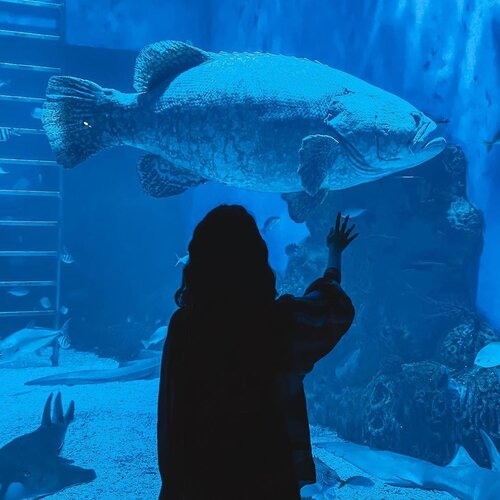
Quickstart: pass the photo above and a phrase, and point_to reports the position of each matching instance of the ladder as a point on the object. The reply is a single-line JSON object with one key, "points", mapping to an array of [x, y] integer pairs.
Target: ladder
{"points": [[31, 182]]}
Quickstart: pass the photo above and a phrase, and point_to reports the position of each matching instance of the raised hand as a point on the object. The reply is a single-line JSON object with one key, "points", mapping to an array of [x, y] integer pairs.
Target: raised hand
{"points": [[339, 236]]}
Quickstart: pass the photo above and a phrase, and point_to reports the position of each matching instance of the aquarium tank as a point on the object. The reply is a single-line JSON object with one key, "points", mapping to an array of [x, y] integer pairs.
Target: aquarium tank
{"points": [[123, 123]]}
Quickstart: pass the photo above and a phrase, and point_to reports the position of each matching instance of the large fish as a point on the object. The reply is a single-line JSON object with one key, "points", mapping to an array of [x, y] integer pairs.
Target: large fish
{"points": [[462, 477], [30, 465], [31, 339], [138, 369], [251, 120]]}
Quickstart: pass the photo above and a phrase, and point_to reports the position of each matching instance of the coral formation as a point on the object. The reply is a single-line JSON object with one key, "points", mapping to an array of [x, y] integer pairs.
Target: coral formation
{"points": [[412, 275]]}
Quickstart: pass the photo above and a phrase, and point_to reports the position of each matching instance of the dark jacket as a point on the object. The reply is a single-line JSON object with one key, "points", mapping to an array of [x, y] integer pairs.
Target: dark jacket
{"points": [[256, 441]]}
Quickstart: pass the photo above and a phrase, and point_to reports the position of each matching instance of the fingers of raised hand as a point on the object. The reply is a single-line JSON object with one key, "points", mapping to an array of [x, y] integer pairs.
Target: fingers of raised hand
{"points": [[337, 223], [353, 237], [344, 225], [348, 232]]}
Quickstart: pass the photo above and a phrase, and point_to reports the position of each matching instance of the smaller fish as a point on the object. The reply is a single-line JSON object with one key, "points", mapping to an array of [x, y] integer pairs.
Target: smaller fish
{"points": [[424, 265], [488, 356], [66, 257], [408, 177], [270, 223], [353, 212], [19, 291], [3, 171], [64, 310], [22, 184], [4, 83], [182, 260], [159, 335], [493, 142], [37, 113], [7, 133], [45, 302]]}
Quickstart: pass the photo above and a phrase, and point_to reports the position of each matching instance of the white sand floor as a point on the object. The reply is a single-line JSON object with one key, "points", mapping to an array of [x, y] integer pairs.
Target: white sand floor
{"points": [[114, 433]]}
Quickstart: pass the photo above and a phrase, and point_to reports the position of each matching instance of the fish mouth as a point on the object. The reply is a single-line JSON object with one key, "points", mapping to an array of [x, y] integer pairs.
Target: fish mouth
{"points": [[422, 141]]}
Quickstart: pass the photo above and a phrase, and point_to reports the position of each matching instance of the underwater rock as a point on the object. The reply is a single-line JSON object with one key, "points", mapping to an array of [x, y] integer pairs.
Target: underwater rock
{"points": [[462, 215], [478, 409], [412, 276], [460, 345]]}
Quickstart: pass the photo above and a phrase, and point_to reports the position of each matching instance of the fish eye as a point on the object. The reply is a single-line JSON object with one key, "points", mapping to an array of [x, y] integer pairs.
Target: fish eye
{"points": [[416, 118]]}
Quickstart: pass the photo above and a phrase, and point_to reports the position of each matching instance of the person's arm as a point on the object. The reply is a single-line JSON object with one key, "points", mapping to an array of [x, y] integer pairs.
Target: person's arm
{"points": [[319, 319], [337, 241]]}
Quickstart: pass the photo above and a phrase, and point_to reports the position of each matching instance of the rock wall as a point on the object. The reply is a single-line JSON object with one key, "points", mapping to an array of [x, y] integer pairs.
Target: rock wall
{"points": [[403, 377]]}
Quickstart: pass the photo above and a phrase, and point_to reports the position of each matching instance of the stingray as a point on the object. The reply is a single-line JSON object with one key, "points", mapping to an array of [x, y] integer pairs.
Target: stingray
{"points": [[30, 465]]}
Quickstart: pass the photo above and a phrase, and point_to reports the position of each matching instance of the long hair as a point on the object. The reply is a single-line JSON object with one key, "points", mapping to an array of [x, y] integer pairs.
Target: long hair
{"points": [[228, 262]]}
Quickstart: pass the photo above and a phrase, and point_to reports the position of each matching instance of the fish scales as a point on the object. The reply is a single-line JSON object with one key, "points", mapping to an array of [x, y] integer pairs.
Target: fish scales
{"points": [[257, 121]]}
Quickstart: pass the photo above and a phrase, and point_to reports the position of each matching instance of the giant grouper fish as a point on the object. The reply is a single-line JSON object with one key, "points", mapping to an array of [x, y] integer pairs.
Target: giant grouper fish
{"points": [[251, 120]]}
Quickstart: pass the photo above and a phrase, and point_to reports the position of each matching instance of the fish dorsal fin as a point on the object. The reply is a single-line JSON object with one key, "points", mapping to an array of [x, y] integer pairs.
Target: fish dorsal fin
{"points": [[162, 62], [492, 451], [462, 458], [46, 420]]}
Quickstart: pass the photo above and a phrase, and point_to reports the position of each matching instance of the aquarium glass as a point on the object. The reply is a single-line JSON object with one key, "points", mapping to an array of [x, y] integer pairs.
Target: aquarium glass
{"points": [[123, 123]]}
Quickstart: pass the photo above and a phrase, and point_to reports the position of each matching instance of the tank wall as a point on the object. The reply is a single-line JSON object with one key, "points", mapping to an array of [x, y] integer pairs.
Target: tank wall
{"points": [[450, 70]]}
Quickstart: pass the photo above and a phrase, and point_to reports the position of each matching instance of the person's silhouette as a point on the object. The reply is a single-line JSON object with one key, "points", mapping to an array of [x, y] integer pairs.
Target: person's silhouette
{"points": [[232, 419]]}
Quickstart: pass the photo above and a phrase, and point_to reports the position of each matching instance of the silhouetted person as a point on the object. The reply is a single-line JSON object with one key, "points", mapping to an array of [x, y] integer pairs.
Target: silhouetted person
{"points": [[232, 420]]}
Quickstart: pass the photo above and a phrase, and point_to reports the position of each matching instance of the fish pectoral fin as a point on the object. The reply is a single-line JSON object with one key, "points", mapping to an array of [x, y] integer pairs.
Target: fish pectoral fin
{"points": [[162, 62], [301, 205], [161, 178], [316, 154]]}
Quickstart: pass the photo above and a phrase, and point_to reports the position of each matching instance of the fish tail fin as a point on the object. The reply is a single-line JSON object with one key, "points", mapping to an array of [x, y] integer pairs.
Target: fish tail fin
{"points": [[69, 416], [75, 118], [144, 344]]}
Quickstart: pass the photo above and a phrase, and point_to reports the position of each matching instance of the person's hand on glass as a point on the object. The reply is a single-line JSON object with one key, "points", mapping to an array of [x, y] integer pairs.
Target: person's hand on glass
{"points": [[338, 239], [339, 236]]}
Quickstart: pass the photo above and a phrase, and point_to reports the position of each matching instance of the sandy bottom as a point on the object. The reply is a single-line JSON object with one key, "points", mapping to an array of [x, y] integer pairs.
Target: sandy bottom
{"points": [[114, 433]]}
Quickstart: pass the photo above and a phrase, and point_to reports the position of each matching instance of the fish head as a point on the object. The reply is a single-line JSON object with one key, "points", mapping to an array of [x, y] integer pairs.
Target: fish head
{"points": [[381, 134], [39, 476]]}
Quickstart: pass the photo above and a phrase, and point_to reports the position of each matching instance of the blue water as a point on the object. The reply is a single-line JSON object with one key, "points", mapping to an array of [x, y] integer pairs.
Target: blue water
{"points": [[421, 290]]}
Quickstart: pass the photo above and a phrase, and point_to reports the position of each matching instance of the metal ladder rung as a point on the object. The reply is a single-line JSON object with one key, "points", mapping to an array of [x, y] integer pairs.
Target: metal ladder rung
{"points": [[26, 283], [28, 253], [34, 3], [25, 34], [26, 131], [21, 98], [34, 163], [29, 223], [24, 192], [29, 67], [13, 314]]}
